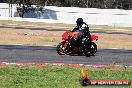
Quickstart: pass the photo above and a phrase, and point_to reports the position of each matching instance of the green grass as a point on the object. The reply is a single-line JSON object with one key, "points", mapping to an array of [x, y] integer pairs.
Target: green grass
{"points": [[56, 77]]}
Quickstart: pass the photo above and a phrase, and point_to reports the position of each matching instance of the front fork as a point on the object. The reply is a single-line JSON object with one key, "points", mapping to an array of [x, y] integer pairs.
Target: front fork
{"points": [[66, 47]]}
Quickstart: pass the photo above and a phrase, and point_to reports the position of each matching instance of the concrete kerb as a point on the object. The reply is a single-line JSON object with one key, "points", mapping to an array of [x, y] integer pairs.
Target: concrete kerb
{"points": [[2, 63]]}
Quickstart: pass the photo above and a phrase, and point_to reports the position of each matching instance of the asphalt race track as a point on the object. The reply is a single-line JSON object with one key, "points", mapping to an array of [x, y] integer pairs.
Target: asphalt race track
{"points": [[17, 53]]}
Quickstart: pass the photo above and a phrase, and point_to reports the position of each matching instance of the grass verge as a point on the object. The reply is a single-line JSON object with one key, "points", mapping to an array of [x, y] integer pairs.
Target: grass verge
{"points": [[56, 77], [38, 33]]}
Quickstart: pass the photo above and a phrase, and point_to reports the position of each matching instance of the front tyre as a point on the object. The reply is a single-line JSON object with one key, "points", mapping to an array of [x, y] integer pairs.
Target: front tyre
{"points": [[91, 49], [60, 49]]}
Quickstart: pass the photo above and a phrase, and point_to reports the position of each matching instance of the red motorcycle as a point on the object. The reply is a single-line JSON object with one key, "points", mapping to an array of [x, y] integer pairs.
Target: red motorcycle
{"points": [[72, 44]]}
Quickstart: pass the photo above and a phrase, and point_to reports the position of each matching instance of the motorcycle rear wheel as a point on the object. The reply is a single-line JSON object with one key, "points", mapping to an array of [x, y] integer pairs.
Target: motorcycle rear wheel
{"points": [[90, 49], [60, 49]]}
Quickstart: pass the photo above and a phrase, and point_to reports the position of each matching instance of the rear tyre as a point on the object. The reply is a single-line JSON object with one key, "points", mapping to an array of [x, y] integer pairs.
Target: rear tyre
{"points": [[60, 49], [90, 49]]}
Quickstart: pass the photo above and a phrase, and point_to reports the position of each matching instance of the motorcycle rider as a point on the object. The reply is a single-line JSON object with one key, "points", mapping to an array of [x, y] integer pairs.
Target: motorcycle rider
{"points": [[83, 30]]}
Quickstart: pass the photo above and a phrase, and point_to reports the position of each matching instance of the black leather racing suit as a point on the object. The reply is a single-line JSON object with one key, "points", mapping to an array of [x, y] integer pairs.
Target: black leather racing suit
{"points": [[84, 32]]}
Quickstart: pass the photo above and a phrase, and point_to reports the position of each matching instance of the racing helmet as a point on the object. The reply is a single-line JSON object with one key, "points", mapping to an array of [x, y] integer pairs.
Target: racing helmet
{"points": [[79, 21]]}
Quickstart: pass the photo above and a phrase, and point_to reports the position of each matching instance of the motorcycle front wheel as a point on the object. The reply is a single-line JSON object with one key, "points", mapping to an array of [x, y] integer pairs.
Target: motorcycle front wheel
{"points": [[60, 49]]}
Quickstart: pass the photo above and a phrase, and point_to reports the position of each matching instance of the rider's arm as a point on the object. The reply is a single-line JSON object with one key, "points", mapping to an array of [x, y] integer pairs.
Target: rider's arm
{"points": [[75, 29], [85, 27]]}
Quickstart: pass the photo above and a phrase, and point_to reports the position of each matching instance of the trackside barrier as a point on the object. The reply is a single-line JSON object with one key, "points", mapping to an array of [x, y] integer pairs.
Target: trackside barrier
{"points": [[112, 17]]}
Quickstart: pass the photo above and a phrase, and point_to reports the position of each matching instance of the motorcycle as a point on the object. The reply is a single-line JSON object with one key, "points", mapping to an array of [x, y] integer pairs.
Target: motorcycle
{"points": [[72, 44]]}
